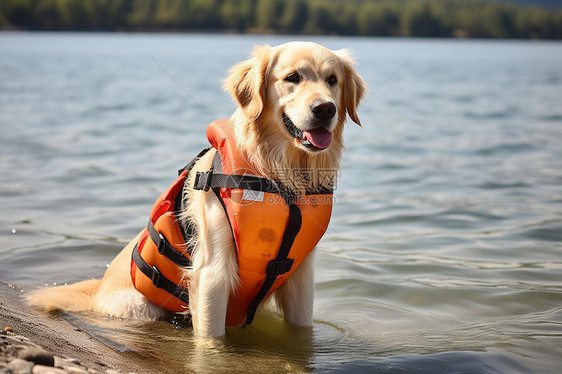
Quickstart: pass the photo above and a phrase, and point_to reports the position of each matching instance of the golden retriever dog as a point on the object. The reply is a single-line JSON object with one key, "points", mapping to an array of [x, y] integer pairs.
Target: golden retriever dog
{"points": [[293, 100]]}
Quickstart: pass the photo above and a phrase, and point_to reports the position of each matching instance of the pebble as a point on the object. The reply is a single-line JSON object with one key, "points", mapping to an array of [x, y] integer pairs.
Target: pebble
{"points": [[75, 370], [74, 361], [19, 347], [42, 369], [8, 329], [38, 356], [59, 362], [19, 366], [18, 355], [62, 362]]}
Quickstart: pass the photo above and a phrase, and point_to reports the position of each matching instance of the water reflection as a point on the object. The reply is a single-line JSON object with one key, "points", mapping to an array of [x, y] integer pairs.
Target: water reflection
{"points": [[269, 345]]}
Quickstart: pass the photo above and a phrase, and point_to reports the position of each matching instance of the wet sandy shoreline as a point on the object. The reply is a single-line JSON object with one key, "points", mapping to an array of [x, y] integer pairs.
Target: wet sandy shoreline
{"points": [[73, 350]]}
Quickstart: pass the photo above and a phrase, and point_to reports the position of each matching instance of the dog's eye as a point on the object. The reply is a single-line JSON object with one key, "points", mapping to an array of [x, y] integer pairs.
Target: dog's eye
{"points": [[293, 78], [332, 80]]}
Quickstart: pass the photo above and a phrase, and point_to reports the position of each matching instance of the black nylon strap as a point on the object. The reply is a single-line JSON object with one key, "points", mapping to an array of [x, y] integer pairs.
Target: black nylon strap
{"points": [[204, 180], [281, 264], [195, 159], [320, 191], [159, 280], [187, 229], [209, 179], [165, 248], [217, 163]]}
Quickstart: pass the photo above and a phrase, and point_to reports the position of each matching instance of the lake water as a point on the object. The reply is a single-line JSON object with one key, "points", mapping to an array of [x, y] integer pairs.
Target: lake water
{"points": [[444, 253]]}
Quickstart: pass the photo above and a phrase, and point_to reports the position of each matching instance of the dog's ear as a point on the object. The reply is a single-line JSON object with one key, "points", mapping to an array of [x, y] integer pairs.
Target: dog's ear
{"points": [[354, 87], [247, 82]]}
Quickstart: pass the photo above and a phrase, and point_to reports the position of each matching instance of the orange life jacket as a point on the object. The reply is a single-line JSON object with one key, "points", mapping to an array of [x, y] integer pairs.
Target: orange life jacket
{"points": [[273, 230]]}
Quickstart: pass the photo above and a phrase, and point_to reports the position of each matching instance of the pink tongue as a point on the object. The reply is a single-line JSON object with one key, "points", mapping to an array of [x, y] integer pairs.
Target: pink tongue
{"points": [[320, 138]]}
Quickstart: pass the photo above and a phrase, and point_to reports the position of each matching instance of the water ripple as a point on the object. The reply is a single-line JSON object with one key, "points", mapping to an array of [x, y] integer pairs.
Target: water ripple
{"points": [[443, 252]]}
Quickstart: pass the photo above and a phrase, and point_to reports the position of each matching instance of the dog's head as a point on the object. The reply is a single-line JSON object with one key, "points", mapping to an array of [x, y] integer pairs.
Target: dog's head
{"points": [[294, 98]]}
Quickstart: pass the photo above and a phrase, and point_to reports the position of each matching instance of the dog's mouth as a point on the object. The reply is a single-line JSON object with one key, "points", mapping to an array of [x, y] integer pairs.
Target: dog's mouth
{"points": [[315, 139]]}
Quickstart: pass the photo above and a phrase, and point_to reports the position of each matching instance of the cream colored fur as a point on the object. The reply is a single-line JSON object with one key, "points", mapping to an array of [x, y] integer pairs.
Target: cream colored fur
{"points": [[263, 94]]}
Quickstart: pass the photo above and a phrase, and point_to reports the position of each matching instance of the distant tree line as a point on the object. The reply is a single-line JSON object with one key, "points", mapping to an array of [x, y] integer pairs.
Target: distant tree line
{"points": [[427, 18]]}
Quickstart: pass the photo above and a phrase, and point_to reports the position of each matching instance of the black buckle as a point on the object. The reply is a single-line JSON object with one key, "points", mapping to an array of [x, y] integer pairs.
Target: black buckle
{"points": [[203, 180], [155, 276], [161, 244], [278, 267]]}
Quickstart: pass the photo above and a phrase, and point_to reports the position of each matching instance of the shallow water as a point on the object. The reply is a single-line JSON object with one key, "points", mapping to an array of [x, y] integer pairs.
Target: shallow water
{"points": [[443, 254]]}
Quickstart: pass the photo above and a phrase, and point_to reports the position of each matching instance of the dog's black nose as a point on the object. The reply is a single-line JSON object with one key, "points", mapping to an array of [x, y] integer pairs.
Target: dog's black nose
{"points": [[323, 109]]}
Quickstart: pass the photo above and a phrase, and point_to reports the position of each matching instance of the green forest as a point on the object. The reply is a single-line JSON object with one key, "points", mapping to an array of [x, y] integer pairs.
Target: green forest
{"points": [[415, 18]]}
